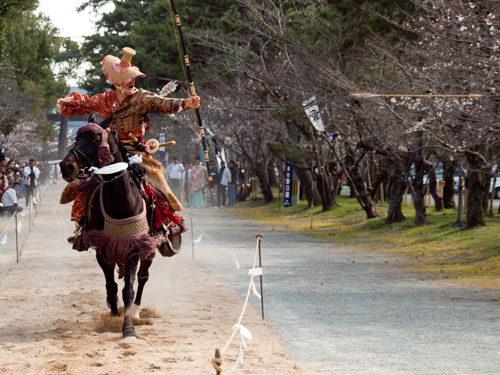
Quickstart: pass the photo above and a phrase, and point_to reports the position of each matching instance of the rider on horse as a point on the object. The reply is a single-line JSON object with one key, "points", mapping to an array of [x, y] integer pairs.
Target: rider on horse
{"points": [[129, 107]]}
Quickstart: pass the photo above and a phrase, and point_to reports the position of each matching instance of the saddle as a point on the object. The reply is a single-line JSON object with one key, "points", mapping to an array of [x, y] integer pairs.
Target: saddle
{"points": [[161, 218]]}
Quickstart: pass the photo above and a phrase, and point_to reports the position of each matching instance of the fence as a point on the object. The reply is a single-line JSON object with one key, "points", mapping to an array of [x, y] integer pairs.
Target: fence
{"points": [[17, 227]]}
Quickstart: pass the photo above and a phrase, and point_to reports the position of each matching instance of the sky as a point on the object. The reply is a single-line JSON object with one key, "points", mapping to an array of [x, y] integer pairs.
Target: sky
{"points": [[70, 23], [64, 16]]}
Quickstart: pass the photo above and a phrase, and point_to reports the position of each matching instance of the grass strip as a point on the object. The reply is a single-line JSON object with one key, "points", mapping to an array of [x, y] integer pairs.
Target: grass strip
{"points": [[436, 250]]}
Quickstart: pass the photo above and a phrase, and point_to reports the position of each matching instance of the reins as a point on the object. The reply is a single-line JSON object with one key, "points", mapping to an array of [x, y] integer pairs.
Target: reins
{"points": [[83, 173]]}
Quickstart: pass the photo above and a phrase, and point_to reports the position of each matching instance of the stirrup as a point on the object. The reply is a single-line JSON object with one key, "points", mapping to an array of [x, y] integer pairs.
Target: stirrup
{"points": [[172, 244]]}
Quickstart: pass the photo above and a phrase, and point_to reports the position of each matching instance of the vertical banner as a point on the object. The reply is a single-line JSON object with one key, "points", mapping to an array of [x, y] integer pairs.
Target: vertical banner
{"points": [[287, 199], [312, 111]]}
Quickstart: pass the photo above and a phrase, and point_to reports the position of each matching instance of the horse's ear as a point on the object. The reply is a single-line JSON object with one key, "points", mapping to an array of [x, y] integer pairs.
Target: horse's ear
{"points": [[107, 122], [93, 118]]}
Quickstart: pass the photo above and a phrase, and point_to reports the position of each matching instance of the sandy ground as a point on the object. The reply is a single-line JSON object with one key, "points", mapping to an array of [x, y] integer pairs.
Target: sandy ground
{"points": [[53, 317]]}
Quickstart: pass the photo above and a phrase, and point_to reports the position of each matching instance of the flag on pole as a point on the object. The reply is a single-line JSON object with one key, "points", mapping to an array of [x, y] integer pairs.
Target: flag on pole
{"points": [[312, 111]]}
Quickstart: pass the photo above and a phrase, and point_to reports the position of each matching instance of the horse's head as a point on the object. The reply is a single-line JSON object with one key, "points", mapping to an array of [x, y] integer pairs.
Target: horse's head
{"points": [[94, 146]]}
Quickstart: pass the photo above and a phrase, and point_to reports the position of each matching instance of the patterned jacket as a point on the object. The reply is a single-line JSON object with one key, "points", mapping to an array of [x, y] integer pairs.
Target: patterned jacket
{"points": [[130, 116]]}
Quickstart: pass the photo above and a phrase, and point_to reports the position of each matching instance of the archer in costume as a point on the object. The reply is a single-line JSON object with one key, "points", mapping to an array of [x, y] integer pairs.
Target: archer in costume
{"points": [[129, 107]]}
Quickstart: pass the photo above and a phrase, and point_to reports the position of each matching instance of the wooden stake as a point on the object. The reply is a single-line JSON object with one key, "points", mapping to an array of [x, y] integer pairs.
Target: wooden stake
{"points": [[259, 238]]}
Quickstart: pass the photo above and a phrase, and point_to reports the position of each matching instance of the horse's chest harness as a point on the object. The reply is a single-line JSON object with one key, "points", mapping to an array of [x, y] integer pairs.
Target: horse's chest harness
{"points": [[134, 226]]}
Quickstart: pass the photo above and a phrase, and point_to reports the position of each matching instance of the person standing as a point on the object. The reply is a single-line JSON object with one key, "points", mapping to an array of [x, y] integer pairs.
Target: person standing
{"points": [[174, 171], [231, 188], [31, 175], [197, 178], [9, 200], [224, 178]]}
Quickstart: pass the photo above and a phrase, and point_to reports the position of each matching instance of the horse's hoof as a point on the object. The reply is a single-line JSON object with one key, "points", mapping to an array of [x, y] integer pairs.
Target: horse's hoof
{"points": [[113, 307], [129, 331], [130, 339]]}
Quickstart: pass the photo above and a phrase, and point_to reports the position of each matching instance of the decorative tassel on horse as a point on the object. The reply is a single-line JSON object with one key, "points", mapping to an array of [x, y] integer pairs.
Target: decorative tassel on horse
{"points": [[119, 238]]}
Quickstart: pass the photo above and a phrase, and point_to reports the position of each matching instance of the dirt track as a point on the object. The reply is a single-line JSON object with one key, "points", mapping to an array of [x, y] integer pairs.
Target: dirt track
{"points": [[53, 317], [339, 310]]}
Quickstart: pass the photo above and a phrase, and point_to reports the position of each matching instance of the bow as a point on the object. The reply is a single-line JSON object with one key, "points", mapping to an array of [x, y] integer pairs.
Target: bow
{"points": [[185, 62]]}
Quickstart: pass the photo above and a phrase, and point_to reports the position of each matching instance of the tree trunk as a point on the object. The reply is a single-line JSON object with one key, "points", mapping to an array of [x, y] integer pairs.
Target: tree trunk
{"points": [[449, 188], [419, 193], [476, 187], [273, 178], [377, 180], [360, 190], [438, 201], [63, 138], [306, 179], [261, 173], [326, 191], [396, 188]]}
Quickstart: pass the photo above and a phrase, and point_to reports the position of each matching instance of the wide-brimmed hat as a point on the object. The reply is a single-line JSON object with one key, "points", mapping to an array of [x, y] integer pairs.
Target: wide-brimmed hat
{"points": [[121, 72]]}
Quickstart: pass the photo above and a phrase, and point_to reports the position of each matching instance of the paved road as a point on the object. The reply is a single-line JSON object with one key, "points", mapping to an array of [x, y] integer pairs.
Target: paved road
{"points": [[342, 311]]}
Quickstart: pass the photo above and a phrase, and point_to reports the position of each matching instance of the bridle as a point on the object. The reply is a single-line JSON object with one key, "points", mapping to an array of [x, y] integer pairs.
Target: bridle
{"points": [[81, 158]]}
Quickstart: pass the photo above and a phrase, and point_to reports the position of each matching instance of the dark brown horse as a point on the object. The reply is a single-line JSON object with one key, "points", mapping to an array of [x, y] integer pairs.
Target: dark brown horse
{"points": [[114, 224]]}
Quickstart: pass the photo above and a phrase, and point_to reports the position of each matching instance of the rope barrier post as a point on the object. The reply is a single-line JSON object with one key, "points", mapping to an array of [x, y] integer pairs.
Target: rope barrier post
{"points": [[259, 240], [192, 236], [17, 239], [312, 204], [30, 206], [279, 185]]}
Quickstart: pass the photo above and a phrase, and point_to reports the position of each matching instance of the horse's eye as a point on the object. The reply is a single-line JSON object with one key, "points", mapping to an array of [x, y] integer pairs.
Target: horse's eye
{"points": [[96, 140]]}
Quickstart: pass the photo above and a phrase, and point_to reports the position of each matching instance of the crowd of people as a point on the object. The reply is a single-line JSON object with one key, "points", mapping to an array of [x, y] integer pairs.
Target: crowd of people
{"points": [[18, 180], [190, 183]]}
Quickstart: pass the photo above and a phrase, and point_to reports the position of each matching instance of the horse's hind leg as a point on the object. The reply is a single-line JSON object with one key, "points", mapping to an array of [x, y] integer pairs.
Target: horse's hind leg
{"points": [[128, 295], [143, 277], [111, 286]]}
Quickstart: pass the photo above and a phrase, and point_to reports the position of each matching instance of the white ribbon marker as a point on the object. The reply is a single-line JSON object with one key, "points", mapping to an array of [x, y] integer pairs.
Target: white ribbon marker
{"points": [[4, 239], [245, 334], [19, 227], [255, 272], [198, 240], [235, 260], [110, 169]]}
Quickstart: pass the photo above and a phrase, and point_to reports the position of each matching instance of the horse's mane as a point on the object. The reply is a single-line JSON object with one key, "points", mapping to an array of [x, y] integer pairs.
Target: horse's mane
{"points": [[118, 149]]}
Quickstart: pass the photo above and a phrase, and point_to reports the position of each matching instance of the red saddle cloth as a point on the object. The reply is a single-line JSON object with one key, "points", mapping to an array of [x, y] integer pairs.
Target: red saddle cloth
{"points": [[163, 213]]}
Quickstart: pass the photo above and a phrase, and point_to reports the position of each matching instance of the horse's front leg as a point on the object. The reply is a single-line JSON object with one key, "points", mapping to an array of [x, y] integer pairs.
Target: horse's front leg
{"points": [[128, 295], [143, 277], [111, 286]]}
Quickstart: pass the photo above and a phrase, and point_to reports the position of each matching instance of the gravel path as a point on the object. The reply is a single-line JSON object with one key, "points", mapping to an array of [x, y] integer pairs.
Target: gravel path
{"points": [[343, 311]]}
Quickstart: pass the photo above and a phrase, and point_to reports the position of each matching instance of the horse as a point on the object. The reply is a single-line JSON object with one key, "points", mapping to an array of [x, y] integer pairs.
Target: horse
{"points": [[117, 211]]}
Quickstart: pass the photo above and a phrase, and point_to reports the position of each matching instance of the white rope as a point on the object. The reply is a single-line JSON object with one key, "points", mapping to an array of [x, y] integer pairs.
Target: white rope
{"points": [[7, 227], [245, 305], [216, 242]]}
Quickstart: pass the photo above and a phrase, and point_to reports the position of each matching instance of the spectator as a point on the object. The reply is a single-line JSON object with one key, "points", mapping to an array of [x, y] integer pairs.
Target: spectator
{"points": [[174, 171], [224, 178], [9, 200], [3, 183], [212, 174], [231, 188], [31, 175], [197, 178]]}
